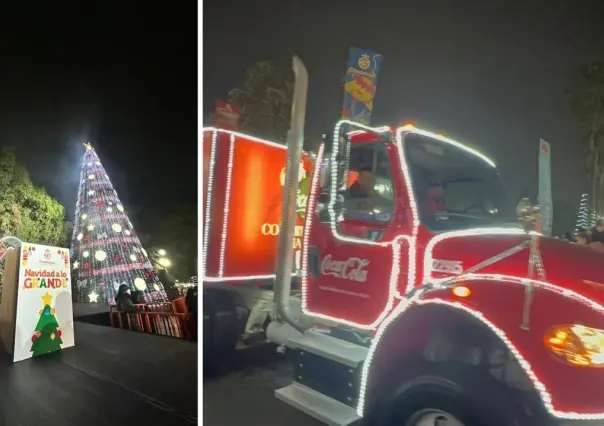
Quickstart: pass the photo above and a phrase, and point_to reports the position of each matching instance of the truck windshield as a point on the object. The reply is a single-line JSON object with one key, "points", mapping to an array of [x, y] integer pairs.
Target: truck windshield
{"points": [[454, 188]]}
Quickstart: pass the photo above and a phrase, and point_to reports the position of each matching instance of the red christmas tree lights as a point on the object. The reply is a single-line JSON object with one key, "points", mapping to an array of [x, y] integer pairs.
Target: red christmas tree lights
{"points": [[105, 249]]}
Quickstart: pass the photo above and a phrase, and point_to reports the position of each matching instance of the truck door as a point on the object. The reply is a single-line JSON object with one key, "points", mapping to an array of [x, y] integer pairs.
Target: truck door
{"points": [[354, 253]]}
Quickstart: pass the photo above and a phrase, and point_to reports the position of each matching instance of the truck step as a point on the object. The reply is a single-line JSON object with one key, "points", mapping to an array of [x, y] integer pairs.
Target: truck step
{"points": [[337, 350], [317, 405]]}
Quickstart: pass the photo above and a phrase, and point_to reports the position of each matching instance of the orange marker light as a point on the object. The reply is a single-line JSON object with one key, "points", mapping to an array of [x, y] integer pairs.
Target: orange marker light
{"points": [[461, 291], [577, 345]]}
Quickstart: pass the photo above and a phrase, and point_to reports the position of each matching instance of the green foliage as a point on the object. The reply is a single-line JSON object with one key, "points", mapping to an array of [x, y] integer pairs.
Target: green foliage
{"points": [[265, 101], [587, 102], [26, 211], [587, 96], [177, 234]]}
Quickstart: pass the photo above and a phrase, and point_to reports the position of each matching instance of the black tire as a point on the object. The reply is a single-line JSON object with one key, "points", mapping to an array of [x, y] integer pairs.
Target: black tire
{"points": [[464, 392], [220, 330]]}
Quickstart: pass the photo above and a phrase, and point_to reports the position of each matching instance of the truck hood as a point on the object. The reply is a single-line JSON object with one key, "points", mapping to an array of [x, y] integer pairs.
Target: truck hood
{"points": [[566, 264]]}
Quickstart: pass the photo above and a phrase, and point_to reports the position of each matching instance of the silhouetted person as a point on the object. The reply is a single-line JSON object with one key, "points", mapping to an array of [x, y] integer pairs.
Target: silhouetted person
{"points": [[191, 300], [582, 238], [432, 199], [363, 186], [597, 232], [123, 300], [361, 196]]}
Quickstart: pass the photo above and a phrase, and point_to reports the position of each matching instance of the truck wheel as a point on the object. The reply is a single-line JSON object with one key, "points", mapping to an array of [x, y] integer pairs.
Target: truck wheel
{"points": [[450, 394], [220, 330], [432, 409]]}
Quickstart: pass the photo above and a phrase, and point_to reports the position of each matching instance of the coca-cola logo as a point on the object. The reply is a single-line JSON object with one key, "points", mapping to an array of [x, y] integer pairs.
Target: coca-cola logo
{"points": [[352, 269]]}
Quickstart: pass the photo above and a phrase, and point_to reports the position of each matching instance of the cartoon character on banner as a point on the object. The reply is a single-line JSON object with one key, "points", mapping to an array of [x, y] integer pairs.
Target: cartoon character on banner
{"points": [[27, 252], [64, 254]]}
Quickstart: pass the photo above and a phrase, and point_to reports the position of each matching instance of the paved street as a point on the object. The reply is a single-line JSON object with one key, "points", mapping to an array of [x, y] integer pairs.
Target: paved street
{"points": [[244, 396], [110, 377]]}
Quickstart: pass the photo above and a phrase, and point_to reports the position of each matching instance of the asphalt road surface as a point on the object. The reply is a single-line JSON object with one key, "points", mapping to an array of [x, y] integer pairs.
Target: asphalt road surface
{"points": [[244, 394]]}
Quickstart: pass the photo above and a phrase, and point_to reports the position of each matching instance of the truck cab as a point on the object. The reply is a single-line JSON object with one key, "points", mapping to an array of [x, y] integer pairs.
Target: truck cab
{"points": [[411, 241], [379, 206]]}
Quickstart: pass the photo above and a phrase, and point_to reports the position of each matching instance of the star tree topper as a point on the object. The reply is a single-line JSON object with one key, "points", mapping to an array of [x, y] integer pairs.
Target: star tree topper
{"points": [[46, 299], [88, 146]]}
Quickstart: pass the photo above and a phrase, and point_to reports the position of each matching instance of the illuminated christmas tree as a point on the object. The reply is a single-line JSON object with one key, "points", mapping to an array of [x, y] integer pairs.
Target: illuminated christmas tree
{"points": [[583, 215], [106, 251]]}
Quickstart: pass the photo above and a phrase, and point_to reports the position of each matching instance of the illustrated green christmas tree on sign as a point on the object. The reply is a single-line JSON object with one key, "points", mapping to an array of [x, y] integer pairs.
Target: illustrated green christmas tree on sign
{"points": [[47, 336], [105, 249]]}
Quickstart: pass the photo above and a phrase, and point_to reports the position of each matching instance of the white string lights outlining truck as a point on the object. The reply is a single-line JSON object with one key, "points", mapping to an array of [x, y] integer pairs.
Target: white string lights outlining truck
{"points": [[416, 298]]}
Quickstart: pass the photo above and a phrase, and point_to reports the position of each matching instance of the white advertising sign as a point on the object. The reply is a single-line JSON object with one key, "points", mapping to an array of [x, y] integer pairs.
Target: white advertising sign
{"points": [[44, 318]]}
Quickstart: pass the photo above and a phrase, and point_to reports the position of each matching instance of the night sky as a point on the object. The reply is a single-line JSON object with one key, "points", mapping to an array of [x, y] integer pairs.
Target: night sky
{"points": [[122, 75], [492, 74]]}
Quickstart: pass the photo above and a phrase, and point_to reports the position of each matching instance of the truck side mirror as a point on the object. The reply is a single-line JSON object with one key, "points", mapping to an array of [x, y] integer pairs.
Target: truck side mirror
{"points": [[528, 213]]}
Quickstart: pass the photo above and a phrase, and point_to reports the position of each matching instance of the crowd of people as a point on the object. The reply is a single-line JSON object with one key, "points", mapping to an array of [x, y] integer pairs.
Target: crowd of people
{"points": [[593, 238]]}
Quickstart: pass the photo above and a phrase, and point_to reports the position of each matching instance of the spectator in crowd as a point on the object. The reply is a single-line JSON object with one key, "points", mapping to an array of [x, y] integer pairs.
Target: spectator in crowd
{"points": [[582, 238], [597, 232], [123, 300], [191, 300]]}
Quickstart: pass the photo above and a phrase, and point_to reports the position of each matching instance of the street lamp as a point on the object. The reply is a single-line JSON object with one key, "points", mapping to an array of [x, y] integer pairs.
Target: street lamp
{"points": [[161, 252], [165, 262]]}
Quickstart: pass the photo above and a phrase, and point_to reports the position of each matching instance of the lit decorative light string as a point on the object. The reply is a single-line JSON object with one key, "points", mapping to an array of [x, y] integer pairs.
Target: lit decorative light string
{"points": [[526, 366], [227, 200], [456, 144], [100, 242], [208, 210]]}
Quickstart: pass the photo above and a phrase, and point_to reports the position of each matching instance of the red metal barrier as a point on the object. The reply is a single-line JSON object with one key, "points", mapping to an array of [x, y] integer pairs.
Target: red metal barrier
{"points": [[156, 318]]}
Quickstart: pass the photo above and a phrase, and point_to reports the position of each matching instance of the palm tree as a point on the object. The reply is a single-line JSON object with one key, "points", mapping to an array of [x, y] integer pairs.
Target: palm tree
{"points": [[587, 100]]}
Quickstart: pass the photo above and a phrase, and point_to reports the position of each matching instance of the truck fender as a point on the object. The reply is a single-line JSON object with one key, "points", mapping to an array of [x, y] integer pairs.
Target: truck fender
{"points": [[496, 304]]}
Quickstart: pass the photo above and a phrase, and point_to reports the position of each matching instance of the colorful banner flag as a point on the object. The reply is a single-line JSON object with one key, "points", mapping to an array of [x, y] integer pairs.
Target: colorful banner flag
{"points": [[360, 84], [546, 206]]}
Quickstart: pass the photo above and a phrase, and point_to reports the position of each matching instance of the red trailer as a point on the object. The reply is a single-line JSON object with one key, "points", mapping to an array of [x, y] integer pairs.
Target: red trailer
{"points": [[243, 198]]}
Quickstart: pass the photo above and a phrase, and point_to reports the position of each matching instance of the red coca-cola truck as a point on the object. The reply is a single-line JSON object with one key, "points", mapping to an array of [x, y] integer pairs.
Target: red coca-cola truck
{"points": [[419, 300]]}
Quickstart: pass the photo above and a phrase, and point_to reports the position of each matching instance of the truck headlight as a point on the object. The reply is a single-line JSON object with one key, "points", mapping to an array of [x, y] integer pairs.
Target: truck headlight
{"points": [[577, 345]]}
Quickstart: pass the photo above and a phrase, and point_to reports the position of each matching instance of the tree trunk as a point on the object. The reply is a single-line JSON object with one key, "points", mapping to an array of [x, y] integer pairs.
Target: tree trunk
{"points": [[595, 178], [595, 127], [600, 198]]}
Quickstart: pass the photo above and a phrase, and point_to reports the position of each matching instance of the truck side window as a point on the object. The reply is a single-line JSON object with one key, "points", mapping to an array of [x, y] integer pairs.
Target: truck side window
{"points": [[369, 195], [368, 192]]}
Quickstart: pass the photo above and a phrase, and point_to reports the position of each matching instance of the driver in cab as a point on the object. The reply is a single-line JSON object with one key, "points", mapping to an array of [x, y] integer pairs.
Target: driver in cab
{"points": [[361, 196], [432, 201]]}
